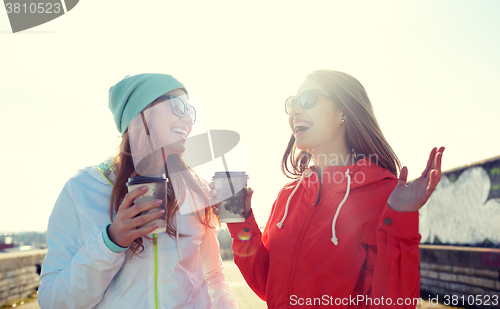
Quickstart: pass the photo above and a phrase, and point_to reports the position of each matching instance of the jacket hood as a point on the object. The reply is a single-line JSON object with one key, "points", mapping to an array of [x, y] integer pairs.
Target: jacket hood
{"points": [[362, 173], [345, 178], [99, 174]]}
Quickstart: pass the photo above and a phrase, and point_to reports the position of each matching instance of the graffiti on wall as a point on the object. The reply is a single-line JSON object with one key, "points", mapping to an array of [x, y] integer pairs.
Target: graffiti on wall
{"points": [[465, 207]]}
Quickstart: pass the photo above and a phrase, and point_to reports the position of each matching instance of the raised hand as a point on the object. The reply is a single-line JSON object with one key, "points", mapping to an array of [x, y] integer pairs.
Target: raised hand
{"points": [[123, 231], [413, 197]]}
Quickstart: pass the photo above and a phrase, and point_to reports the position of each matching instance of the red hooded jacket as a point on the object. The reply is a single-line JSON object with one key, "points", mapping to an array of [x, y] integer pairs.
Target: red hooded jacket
{"points": [[338, 244]]}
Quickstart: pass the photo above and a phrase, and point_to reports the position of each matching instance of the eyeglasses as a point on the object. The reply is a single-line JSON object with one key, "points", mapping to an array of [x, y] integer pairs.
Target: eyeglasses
{"points": [[179, 107], [307, 99]]}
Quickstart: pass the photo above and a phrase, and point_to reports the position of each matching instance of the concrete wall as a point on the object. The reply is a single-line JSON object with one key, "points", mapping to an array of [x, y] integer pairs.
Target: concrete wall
{"points": [[445, 270], [19, 274], [465, 207], [461, 271]]}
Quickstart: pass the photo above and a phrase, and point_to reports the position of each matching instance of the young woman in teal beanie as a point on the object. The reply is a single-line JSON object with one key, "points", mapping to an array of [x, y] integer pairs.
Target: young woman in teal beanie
{"points": [[344, 232], [103, 253]]}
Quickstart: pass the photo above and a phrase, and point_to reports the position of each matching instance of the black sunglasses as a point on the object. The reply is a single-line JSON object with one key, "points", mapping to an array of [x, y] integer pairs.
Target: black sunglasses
{"points": [[179, 107], [307, 99]]}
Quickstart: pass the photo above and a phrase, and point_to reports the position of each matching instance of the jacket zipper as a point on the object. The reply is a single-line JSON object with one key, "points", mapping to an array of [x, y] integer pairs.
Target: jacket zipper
{"points": [[155, 243], [319, 192], [298, 247]]}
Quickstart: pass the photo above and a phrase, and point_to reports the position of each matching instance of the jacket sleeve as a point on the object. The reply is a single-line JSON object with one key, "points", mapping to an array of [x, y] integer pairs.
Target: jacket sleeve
{"points": [[392, 267], [75, 272], [218, 288], [251, 252]]}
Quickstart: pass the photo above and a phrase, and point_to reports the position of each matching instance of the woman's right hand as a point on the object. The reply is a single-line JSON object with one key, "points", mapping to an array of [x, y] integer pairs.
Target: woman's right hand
{"points": [[123, 231], [216, 203]]}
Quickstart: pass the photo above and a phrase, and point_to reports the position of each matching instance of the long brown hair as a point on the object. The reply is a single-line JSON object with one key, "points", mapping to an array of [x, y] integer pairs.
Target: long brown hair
{"points": [[123, 166], [363, 135]]}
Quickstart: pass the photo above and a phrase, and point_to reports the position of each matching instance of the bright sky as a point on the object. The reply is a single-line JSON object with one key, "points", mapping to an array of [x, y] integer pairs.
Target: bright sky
{"points": [[431, 69]]}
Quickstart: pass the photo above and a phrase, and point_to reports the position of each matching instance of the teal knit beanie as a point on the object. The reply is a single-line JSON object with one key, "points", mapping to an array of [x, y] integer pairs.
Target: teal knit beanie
{"points": [[133, 93]]}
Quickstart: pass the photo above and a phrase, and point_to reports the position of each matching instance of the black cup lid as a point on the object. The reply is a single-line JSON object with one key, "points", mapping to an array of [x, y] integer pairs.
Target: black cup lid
{"points": [[230, 174], [146, 179]]}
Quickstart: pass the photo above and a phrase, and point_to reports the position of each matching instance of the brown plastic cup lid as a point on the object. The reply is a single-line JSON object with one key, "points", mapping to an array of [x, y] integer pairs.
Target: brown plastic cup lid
{"points": [[229, 174], [146, 179]]}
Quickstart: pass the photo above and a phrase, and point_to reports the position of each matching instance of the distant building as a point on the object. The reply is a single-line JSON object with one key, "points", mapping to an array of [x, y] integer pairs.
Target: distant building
{"points": [[4, 246], [22, 241]]}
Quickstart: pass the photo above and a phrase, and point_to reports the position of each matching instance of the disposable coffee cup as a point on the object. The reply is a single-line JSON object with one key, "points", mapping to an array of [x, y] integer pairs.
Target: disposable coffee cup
{"points": [[231, 187], [157, 189]]}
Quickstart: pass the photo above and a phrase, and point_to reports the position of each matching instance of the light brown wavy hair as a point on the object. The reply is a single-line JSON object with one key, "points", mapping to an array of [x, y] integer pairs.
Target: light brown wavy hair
{"points": [[123, 166], [363, 135]]}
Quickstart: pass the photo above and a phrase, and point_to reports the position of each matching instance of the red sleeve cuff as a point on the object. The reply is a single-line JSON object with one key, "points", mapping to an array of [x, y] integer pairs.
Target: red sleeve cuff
{"points": [[245, 230], [398, 223]]}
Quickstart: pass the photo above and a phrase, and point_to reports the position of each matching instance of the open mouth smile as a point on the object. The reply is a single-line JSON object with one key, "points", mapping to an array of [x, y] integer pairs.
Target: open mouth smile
{"points": [[300, 128], [182, 132]]}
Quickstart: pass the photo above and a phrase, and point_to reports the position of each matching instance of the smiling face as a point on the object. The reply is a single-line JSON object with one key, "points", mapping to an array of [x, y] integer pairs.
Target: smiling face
{"points": [[166, 129], [318, 130]]}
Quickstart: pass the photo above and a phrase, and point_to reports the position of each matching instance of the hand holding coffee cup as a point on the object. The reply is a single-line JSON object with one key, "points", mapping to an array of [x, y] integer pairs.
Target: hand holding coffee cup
{"points": [[157, 190], [216, 203], [124, 229]]}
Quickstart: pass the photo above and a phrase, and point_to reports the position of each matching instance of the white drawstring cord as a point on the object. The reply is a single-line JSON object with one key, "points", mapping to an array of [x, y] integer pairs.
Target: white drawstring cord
{"points": [[335, 240], [280, 224], [334, 236], [177, 235]]}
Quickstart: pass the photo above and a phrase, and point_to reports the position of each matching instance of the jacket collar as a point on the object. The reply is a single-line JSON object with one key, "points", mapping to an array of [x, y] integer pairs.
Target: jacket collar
{"points": [[362, 173]]}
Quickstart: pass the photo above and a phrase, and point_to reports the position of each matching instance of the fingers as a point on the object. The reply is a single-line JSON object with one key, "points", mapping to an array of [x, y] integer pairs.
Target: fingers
{"points": [[131, 196], [146, 218], [403, 176], [216, 203], [430, 162], [248, 202], [143, 231], [439, 157], [143, 206], [213, 193], [436, 165], [124, 229], [213, 196], [434, 162], [249, 194], [433, 182], [435, 173]]}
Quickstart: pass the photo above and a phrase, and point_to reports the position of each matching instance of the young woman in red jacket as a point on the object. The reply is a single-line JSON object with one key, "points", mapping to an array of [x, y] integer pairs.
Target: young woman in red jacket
{"points": [[344, 233]]}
